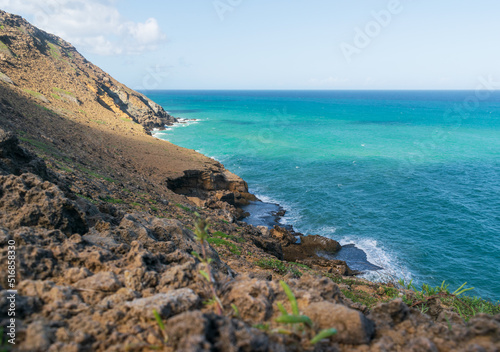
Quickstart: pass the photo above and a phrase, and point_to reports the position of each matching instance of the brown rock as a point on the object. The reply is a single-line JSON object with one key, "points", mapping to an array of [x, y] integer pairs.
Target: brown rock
{"points": [[391, 313], [166, 304], [421, 344], [252, 297], [103, 282], [352, 327], [16, 160], [39, 337], [283, 236], [26, 200], [319, 244], [197, 332]]}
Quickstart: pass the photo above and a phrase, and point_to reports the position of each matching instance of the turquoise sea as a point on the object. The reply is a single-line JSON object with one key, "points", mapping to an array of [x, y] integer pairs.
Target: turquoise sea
{"points": [[412, 178]]}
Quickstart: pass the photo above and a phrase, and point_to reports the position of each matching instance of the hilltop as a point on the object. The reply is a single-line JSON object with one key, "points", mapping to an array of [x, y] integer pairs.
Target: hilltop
{"points": [[104, 219]]}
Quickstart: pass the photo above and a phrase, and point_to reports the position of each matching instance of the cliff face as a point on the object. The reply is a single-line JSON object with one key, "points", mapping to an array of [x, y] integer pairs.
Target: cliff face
{"points": [[51, 70]]}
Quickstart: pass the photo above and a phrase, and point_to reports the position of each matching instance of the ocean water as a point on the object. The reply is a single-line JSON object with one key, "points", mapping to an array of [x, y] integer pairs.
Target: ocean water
{"points": [[412, 178]]}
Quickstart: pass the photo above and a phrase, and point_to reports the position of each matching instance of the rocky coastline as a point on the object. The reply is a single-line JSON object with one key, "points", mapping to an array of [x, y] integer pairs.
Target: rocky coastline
{"points": [[101, 218]]}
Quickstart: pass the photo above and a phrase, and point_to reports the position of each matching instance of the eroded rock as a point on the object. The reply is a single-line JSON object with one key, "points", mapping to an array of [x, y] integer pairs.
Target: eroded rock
{"points": [[26, 200], [353, 327]]}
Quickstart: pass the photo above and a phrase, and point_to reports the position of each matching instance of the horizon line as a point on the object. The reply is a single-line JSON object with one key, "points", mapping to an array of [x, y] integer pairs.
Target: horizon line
{"points": [[299, 89]]}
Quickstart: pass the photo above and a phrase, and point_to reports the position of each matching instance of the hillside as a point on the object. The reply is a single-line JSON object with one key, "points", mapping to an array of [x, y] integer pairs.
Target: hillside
{"points": [[105, 219]]}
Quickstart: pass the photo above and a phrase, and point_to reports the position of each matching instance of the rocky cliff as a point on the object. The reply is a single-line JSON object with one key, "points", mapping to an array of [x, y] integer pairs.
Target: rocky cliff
{"points": [[53, 72], [103, 220]]}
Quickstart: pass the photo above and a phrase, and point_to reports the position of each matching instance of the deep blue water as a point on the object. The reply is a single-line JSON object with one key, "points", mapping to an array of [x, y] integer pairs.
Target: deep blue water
{"points": [[409, 177]]}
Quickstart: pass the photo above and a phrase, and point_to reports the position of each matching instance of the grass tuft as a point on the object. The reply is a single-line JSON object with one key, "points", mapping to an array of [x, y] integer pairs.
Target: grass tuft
{"points": [[278, 266], [222, 242]]}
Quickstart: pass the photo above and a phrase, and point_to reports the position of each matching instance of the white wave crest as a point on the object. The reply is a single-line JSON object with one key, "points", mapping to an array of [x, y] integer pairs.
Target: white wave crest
{"points": [[392, 268]]}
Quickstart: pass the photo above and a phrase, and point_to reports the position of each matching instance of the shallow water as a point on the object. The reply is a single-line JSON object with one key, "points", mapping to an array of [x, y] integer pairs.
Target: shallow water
{"points": [[415, 187]]}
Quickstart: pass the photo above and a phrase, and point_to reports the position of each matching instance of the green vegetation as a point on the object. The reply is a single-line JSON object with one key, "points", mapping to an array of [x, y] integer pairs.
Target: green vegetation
{"points": [[39, 145], [221, 234], [34, 94], [44, 108], [278, 266], [4, 345], [153, 208], [54, 51], [63, 167], [302, 266], [135, 204], [62, 91], [87, 198], [201, 233], [465, 306], [161, 326], [4, 48], [221, 242], [298, 323], [100, 122], [2, 27], [55, 96], [362, 297], [113, 200], [183, 207], [94, 174]]}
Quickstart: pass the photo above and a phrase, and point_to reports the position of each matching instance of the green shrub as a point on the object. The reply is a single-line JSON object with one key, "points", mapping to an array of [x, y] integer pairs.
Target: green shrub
{"points": [[278, 266], [221, 242]]}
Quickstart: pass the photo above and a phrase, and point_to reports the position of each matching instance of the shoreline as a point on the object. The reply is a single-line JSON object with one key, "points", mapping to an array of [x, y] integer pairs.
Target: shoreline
{"points": [[269, 214]]}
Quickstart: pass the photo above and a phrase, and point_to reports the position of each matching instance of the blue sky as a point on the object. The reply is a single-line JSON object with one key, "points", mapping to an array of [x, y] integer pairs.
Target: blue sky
{"points": [[279, 44]]}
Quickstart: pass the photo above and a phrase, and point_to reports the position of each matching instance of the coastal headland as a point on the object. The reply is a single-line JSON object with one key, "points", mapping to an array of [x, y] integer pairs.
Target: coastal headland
{"points": [[98, 223]]}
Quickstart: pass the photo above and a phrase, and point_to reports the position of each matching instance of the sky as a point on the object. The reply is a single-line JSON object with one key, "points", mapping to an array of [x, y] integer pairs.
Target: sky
{"points": [[279, 44]]}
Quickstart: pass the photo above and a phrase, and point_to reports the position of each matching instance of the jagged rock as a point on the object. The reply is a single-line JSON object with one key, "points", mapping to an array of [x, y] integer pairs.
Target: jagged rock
{"points": [[39, 337], [421, 344], [309, 246], [16, 160], [252, 297], [26, 200], [269, 246], [28, 43], [196, 183], [195, 331], [166, 304], [391, 313], [282, 235], [103, 281], [352, 327], [319, 244]]}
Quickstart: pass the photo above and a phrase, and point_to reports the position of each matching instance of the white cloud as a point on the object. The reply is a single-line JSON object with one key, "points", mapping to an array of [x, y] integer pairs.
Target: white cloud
{"points": [[95, 26]]}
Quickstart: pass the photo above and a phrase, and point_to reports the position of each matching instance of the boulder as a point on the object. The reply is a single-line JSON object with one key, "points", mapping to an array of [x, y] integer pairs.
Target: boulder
{"points": [[166, 304], [195, 331], [27, 200], [353, 328]]}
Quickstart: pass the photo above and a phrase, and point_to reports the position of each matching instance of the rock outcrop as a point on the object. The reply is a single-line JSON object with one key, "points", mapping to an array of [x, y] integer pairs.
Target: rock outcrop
{"points": [[75, 83]]}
